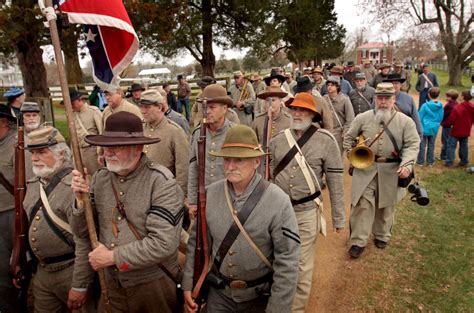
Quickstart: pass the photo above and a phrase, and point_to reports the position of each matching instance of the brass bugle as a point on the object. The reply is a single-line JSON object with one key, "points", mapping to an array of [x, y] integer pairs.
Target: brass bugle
{"points": [[361, 156]]}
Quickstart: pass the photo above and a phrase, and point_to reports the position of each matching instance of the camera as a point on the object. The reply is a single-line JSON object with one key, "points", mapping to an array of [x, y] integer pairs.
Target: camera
{"points": [[420, 195]]}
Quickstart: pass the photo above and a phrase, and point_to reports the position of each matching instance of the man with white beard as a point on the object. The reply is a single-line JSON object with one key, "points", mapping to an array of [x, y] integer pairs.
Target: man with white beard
{"points": [[375, 190], [32, 121], [63, 275], [300, 175], [140, 211]]}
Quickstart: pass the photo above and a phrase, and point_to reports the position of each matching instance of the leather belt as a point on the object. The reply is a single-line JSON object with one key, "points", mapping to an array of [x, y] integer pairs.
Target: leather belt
{"points": [[242, 284], [387, 160], [57, 259], [306, 199]]}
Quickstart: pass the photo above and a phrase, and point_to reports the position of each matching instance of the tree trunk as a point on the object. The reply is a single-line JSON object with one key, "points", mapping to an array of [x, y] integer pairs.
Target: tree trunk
{"points": [[208, 61], [454, 67], [69, 38], [30, 59]]}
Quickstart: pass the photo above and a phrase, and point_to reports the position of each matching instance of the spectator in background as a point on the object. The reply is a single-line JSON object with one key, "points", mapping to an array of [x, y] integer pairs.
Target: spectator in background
{"points": [[431, 115], [398, 69], [97, 98], [461, 118], [170, 97], [184, 91], [426, 80], [452, 96]]}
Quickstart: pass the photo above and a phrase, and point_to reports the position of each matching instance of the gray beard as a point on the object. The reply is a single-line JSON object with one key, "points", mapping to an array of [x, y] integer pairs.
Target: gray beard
{"points": [[300, 126], [31, 127], [46, 171], [382, 115]]}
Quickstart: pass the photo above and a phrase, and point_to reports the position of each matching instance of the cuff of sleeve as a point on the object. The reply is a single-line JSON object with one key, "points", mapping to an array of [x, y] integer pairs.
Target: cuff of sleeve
{"points": [[79, 289], [187, 284], [121, 261]]}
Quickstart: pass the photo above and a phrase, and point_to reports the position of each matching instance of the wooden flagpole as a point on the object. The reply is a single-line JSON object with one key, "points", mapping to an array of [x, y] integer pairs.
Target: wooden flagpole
{"points": [[82, 200]]}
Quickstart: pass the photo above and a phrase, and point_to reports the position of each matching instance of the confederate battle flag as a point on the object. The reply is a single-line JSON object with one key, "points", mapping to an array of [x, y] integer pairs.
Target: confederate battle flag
{"points": [[110, 36]]}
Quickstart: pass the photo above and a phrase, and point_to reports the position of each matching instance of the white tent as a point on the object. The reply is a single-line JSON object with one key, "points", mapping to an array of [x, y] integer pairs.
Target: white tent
{"points": [[155, 71]]}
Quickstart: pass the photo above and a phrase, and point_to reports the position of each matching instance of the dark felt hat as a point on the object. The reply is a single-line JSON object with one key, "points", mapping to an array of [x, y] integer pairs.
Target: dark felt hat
{"points": [[121, 129], [394, 78], [6, 112], [275, 73], [303, 83], [136, 87], [206, 81], [337, 70]]}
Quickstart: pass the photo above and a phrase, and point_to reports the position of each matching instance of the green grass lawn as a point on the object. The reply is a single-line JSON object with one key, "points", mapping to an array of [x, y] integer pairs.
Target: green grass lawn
{"points": [[443, 79], [429, 263]]}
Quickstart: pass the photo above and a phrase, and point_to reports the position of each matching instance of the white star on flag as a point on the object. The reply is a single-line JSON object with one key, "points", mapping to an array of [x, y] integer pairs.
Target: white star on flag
{"points": [[90, 36]]}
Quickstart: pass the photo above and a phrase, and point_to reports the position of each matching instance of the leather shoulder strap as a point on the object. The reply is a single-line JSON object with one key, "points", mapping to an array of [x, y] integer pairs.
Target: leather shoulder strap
{"points": [[52, 184], [292, 152], [244, 213]]}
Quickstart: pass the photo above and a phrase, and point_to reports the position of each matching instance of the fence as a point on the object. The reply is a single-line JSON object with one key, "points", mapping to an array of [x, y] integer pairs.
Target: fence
{"points": [[467, 71], [55, 94]]}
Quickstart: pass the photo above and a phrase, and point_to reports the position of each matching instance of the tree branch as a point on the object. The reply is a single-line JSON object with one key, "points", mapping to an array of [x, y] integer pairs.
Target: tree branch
{"points": [[193, 53]]}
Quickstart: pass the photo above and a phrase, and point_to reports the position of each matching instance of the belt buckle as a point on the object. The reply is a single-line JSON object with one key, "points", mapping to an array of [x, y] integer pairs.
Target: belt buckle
{"points": [[238, 284]]}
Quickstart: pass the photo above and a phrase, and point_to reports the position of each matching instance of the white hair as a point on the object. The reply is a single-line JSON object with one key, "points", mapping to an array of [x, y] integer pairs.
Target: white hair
{"points": [[62, 146]]}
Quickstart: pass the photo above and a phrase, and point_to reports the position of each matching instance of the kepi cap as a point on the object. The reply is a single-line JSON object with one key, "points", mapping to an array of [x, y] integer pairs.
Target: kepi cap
{"points": [[384, 89], [44, 137], [30, 107]]}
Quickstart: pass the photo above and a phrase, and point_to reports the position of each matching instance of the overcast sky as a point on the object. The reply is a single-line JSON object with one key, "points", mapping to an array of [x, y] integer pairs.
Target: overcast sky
{"points": [[347, 15]]}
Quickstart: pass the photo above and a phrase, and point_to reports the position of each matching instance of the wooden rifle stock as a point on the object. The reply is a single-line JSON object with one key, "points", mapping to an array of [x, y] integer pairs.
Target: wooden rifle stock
{"points": [[268, 138], [18, 264], [82, 200], [201, 256]]}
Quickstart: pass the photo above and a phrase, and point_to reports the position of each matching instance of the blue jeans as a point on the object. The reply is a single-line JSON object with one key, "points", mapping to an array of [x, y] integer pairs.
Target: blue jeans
{"points": [[444, 140], [423, 98], [430, 142], [184, 103], [463, 150]]}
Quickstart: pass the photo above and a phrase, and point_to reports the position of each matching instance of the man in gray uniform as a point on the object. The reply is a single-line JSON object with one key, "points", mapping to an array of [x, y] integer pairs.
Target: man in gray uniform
{"points": [[63, 275], [139, 210], [244, 100], [375, 190], [217, 125], [301, 175], [362, 97], [7, 204], [258, 273]]}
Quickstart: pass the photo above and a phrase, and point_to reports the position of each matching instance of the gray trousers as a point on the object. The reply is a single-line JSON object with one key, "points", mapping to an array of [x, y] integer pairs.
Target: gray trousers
{"points": [[367, 217], [7, 290], [217, 302]]}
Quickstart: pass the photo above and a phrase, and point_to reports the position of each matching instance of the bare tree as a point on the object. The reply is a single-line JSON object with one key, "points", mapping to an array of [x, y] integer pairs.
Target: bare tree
{"points": [[452, 18]]}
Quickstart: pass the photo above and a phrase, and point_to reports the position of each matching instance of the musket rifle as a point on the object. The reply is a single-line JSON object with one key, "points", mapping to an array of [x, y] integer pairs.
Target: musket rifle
{"points": [[82, 199], [201, 256], [268, 137], [18, 264]]}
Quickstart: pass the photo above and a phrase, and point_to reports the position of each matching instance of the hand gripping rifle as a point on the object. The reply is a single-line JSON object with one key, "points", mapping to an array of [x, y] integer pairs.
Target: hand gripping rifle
{"points": [[18, 263], [201, 256], [82, 200], [268, 137]]}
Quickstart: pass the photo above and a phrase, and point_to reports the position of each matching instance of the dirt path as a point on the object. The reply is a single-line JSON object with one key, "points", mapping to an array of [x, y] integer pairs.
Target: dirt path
{"points": [[334, 277]]}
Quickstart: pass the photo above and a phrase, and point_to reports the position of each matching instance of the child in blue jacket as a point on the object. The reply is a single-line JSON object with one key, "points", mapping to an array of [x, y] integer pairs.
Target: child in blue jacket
{"points": [[431, 115]]}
